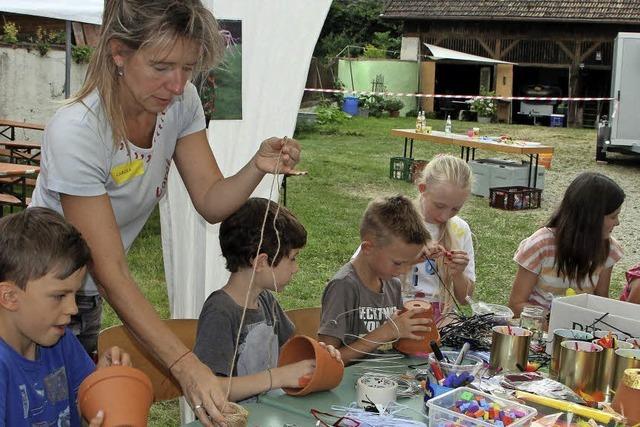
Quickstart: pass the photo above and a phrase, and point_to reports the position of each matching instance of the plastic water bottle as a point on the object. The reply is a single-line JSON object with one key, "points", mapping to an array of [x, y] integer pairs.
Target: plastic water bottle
{"points": [[447, 126], [419, 122]]}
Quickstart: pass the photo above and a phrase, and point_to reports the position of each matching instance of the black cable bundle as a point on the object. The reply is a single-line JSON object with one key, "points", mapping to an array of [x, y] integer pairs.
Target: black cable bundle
{"points": [[475, 329]]}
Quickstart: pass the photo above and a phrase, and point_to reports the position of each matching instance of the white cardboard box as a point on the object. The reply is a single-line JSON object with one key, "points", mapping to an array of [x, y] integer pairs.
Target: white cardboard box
{"points": [[582, 312]]}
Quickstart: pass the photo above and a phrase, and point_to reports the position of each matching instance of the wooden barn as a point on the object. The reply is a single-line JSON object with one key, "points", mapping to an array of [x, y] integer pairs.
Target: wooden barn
{"points": [[556, 47]]}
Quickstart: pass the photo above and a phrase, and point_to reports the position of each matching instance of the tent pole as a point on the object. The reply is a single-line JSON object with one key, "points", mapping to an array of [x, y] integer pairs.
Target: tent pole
{"points": [[67, 62]]}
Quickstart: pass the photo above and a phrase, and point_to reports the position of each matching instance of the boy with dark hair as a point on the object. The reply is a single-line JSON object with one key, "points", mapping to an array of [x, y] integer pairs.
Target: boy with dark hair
{"points": [[261, 256], [366, 291], [42, 264]]}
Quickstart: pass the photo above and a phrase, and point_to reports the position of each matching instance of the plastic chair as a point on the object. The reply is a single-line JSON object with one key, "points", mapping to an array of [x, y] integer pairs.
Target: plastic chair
{"points": [[306, 321], [165, 387]]}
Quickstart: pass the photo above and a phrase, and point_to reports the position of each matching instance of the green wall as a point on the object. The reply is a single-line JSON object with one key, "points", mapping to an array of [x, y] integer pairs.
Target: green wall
{"points": [[399, 76]]}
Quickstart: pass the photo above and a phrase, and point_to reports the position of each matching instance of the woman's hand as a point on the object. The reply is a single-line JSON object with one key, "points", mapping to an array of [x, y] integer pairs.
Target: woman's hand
{"points": [[114, 356], [268, 157], [202, 389]]}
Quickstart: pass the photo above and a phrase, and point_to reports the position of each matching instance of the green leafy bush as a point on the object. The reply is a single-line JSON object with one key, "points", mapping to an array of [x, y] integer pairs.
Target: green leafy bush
{"points": [[330, 115], [10, 30], [393, 104], [370, 51], [81, 54]]}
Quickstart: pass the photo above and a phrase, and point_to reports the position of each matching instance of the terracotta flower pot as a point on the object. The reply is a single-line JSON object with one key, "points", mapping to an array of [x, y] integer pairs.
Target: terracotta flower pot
{"points": [[412, 347], [627, 397], [328, 373], [124, 394]]}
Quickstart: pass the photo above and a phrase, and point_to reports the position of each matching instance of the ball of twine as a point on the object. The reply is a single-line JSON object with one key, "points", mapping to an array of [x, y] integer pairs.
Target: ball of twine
{"points": [[235, 415]]}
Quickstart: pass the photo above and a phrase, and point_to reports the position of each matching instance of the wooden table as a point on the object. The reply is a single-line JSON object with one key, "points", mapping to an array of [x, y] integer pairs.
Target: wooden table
{"points": [[11, 176], [10, 127], [23, 151], [468, 147]]}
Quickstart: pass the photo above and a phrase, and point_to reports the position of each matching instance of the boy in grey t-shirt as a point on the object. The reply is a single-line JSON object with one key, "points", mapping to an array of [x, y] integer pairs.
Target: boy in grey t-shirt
{"points": [[365, 292], [266, 327]]}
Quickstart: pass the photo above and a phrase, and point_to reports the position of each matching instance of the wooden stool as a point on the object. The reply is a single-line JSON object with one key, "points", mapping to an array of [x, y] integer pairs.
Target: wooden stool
{"points": [[284, 182]]}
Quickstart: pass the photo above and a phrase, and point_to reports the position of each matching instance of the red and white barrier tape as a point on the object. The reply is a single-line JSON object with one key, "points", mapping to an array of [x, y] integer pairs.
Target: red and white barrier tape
{"points": [[431, 95]]}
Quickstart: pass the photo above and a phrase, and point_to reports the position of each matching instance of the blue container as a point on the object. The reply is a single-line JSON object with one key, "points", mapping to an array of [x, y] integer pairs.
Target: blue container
{"points": [[556, 120], [350, 105]]}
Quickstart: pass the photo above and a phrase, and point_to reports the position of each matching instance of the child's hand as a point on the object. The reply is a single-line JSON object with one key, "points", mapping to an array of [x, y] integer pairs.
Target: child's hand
{"points": [[114, 356], [430, 251], [97, 420], [334, 352], [408, 326], [457, 261], [296, 375]]}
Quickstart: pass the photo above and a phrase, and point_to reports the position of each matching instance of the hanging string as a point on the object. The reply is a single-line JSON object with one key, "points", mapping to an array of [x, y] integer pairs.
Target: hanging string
{"points": [[253, 271]]}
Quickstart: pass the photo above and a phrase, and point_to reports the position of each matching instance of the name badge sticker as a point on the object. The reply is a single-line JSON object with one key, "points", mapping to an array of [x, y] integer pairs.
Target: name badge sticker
{"points": [[127, 171]]}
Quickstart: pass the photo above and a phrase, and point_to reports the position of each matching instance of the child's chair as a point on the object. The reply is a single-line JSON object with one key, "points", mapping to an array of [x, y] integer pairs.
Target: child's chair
{"points": [[165, 387], [306, 321]]}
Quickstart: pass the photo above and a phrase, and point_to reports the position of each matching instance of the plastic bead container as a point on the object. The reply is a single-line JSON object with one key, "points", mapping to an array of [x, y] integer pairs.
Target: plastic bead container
{"points": [[442, 410]]}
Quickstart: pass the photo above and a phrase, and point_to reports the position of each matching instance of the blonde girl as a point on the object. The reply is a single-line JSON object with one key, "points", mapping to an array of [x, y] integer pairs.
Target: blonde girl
{"points": [[444, 187]]}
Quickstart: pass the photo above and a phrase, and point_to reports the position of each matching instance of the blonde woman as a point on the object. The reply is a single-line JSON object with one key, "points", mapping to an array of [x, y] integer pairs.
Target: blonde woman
{"points": [[106, 156], [444, 187]]}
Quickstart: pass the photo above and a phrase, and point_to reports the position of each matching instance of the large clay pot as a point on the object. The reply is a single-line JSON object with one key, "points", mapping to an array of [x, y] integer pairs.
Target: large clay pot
{"points": [[124, 394], [627, 396], [328, 373], [413, 347]]}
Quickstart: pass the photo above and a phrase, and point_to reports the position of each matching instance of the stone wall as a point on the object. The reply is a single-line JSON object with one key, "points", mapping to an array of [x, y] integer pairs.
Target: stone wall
{"points": [[32, 86]]}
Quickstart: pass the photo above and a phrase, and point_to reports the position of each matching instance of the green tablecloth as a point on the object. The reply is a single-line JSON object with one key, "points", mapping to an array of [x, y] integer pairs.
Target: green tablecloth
{"points": [[276, 409]]}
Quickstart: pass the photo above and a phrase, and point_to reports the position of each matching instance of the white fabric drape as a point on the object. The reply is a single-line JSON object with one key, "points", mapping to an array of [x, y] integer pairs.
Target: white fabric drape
{"points": [[278, 38]]}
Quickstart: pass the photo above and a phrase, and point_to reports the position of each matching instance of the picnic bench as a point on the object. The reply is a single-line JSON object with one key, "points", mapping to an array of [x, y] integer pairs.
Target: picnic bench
{"points": [[13, 185], [8, 128]]}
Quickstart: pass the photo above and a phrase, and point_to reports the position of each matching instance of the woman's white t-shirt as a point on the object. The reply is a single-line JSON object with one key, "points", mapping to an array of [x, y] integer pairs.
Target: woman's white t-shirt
{"points": [[80, 158]]}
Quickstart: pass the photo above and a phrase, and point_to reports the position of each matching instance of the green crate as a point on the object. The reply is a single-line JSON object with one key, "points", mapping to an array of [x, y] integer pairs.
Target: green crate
{"points": [[400, 168]]}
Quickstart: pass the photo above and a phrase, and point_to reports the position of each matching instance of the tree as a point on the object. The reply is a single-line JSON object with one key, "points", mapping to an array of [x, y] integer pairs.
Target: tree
{"points": [[356, 22]]}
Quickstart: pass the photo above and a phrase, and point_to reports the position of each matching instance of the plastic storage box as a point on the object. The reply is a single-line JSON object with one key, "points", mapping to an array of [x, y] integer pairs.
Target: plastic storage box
{"points": [[442, 413], [488, 173]]}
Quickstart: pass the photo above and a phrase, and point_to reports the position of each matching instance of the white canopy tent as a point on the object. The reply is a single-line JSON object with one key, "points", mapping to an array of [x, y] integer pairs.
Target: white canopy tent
{"points": [[440, 53], [87, 11]]}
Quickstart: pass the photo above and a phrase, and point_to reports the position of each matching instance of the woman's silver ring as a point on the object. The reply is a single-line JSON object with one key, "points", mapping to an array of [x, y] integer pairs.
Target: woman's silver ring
{"points": [[195, 408]]}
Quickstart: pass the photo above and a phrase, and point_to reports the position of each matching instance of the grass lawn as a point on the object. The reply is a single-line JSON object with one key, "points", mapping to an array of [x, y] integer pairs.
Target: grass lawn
{"points": [[349, 165]]}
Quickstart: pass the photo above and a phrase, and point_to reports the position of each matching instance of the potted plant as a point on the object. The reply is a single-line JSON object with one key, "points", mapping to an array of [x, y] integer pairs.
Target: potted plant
{"points": [[393, 106], [486, 108], [364, 105]]}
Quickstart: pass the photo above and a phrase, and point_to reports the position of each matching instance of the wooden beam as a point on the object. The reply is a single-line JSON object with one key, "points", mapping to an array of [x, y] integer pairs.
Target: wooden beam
{"points": [[589, 51], [486, 47], [566, 50], [508, 48]]}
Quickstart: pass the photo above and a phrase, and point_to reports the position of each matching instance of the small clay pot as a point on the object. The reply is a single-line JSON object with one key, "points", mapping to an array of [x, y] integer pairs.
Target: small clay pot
{"points": [[328, 372], [627, 396], [124, 394], [413, 347]]}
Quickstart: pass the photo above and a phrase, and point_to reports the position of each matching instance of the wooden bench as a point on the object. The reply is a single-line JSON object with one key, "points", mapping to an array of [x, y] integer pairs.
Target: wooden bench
{"points": [[27, 152], [16, 182], [11, 125]]}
